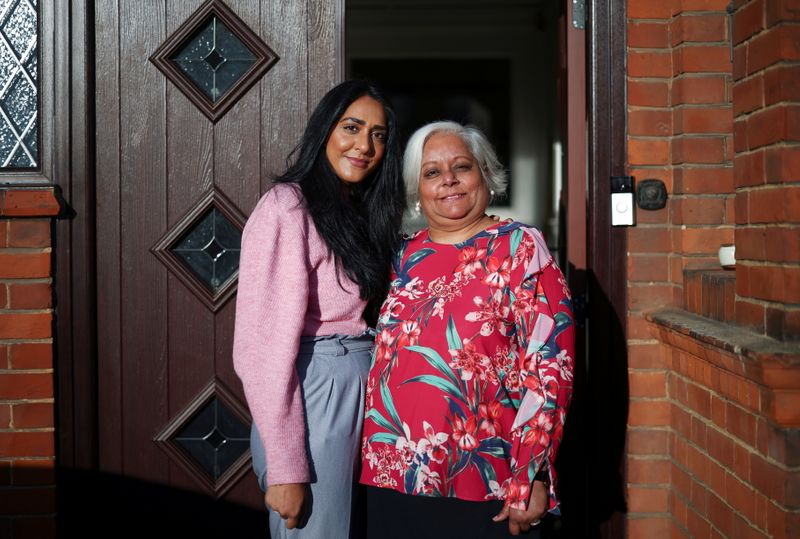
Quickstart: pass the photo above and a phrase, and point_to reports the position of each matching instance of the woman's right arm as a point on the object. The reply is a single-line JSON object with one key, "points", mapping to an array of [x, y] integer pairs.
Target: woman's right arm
{"points": [[271, 306]]}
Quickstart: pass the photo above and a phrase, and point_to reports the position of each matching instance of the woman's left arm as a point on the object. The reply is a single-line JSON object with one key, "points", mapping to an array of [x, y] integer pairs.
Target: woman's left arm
{"points": [[546, 339]]}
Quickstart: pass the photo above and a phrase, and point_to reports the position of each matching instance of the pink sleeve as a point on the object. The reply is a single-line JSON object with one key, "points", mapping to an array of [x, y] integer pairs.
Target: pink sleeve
{"points": [[270, 312]]}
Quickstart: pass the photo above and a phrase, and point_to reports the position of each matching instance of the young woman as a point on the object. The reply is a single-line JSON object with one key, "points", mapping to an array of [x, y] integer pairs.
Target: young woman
{"points": [[313, 272]]}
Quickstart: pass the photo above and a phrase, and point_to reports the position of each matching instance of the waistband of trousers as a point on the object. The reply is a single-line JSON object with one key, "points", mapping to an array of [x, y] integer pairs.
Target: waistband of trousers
{"points": [[337, 344]]}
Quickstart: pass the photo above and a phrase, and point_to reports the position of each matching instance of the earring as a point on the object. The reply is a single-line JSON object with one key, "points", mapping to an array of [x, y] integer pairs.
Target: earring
{"points": [[417, 206], [491, 192]]}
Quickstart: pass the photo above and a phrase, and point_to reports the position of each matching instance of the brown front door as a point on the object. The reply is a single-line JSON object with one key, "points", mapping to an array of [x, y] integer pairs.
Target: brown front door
{"points": [[197, 105]]}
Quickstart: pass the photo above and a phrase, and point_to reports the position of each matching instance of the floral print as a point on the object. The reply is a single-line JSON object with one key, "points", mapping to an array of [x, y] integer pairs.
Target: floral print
{"points": [[472, 370]]}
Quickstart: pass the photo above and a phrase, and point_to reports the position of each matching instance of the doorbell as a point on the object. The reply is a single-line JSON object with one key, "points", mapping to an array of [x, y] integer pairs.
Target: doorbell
{"points": [[622, 203]]}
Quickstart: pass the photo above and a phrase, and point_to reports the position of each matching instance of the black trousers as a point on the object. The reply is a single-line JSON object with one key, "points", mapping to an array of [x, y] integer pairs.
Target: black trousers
{"points": [[393, 515]]}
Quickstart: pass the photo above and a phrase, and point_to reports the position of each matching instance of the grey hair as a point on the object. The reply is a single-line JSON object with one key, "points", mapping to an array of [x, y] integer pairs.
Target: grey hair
{"points": [[492, 172]]}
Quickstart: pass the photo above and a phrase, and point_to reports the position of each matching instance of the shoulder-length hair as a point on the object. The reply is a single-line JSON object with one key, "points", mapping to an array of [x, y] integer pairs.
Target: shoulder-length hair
{"points": [[492, 172], [360, 225]]}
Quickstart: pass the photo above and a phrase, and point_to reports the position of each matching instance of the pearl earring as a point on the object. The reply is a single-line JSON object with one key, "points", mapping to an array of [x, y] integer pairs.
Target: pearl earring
{"points": [[417, 206], [491, 192]]}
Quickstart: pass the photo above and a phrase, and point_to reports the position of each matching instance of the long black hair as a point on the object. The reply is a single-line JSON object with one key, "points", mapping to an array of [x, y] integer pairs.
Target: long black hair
{"points": [[360, 225]]}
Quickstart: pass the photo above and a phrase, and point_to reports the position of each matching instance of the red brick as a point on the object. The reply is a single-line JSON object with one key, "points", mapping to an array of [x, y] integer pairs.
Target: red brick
{"points": [[698, 150], [652, 413], [648, 527], [648, 93], [649, 240], [701, 211], [5, 416], [648, 35], [644, 356], [26, 386], [648, 268], [702, 59], [750, 314], [699, 400], [40, 527], [647, 384], [648, 471], [751, 243], [649, 64], [702, 120], [25, 325], [767, 478], [703, 5], [649, 296], [30, 296], [644, 441], [3, 296], [748, 169], [720, 447], [741, 463], [28, 472], [705, 180], [782, 10], [740, 143], [27, 444], [748, 20], [33, 415], [772, 205], [31, 355], [649, 122], [29, 233], [720, 515], [740, 61], [648, 152], [698, 90], [647, 500], [748, 94], [782, 164], [741, 424], [649, 10], [775, 124], [24, 265], [28, 202], [706, 27], [782, 83], [28, 501], [705, 240], [781, 245], [768, 48]]}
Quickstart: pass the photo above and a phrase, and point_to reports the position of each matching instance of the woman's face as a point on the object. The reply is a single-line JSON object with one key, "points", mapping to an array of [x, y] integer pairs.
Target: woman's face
{"points": [[451, 186], [356, 144]]}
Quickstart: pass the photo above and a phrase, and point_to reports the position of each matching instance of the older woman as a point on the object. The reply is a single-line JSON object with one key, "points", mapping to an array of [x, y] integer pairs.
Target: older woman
{"points": [[472, 369]]}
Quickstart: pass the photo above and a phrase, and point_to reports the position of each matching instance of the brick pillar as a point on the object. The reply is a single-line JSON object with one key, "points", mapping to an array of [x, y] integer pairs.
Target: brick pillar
{"points": [[27, 451], [767, 142]]}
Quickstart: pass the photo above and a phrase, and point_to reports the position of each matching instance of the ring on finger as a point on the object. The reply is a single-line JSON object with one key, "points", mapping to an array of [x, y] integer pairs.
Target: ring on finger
{"points": [[536, 522]]}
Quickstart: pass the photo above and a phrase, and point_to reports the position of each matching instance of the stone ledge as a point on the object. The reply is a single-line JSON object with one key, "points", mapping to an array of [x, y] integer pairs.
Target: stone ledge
{"points": [[29, 201], [744, 359]]}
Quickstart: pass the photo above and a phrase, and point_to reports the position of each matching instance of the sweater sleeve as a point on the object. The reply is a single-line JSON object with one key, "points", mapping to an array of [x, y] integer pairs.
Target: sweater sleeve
{"points": [[271, 306]]}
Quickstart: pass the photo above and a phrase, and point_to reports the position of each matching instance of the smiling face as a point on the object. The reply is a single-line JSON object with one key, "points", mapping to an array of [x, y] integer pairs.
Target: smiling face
{"points": [[452, 192], [357, 142]]}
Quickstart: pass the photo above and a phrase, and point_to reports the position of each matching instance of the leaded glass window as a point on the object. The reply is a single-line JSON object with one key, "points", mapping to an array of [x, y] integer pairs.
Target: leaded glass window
{"points": [[19, 95]]}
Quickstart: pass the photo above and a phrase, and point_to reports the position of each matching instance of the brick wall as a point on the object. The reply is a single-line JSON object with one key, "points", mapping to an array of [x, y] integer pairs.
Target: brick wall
{"points": [[27, 452], [766, 90], [712, 450]]}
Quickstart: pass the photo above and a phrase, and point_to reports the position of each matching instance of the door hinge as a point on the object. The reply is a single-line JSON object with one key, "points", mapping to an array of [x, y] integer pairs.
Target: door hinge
{"points": [[579, 14]]}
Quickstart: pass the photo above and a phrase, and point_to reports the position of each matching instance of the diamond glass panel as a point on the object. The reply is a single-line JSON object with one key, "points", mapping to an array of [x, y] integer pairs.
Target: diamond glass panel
{"points": [[214, 58], [211, 249], [19, 101], [214, 438]]}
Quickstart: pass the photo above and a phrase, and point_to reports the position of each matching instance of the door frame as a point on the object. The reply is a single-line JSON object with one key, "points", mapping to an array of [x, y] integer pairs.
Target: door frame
{"points": [[75, 284]]}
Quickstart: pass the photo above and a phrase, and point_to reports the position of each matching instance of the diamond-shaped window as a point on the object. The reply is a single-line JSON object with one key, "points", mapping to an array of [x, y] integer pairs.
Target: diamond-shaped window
{"points": [[202, 249], [214, 58], [210, 438]]}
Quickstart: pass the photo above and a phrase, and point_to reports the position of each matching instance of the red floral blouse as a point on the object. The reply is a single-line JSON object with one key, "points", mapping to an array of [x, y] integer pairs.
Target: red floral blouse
{"points": [[472, 370]]}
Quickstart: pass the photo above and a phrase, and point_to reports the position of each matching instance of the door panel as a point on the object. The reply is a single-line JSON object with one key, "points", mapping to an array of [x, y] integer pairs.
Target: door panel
{"points": [[158, 156]]}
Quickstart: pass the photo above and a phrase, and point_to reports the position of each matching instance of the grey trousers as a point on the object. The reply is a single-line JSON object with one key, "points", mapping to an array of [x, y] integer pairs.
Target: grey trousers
{"points": [[333, 374]]}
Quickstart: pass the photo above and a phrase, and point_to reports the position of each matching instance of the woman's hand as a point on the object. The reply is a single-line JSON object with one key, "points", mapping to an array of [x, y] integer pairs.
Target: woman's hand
{"points": [[287, 500], [522, 521]]}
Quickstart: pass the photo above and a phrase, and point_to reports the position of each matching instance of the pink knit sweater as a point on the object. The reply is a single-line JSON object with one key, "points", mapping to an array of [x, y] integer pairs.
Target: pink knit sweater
{"points": [[288, 288]]}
